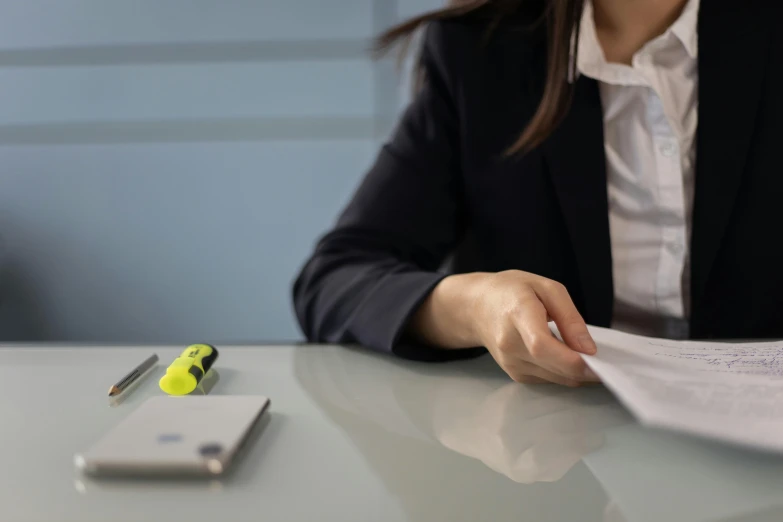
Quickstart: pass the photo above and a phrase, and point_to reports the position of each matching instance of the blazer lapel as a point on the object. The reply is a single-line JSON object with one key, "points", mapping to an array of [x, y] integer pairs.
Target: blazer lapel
{"points": [[733, 55], [577, 163]]}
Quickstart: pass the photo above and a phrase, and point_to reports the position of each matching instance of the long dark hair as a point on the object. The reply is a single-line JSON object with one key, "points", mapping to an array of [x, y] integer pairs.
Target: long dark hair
{"points": [[562, 25]]}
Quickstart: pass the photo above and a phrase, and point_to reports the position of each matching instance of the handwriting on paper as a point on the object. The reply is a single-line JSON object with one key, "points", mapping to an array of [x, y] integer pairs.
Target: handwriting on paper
{"points": [[752, 359]]}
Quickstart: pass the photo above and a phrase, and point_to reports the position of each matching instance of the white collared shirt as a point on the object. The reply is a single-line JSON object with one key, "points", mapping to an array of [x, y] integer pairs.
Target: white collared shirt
{"points": [[650, 119]]}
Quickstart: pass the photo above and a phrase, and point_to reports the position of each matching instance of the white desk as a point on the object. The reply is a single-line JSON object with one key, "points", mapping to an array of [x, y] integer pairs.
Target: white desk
{"points": [[354, 436]]}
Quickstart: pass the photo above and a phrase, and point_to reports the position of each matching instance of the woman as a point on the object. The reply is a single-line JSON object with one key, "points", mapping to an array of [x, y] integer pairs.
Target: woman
{"points": [[612, 162]]}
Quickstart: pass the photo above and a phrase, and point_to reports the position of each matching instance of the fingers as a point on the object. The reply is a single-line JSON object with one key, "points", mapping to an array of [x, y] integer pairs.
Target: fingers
{"points": [[543, 349], [522, 342], [563, 312]]}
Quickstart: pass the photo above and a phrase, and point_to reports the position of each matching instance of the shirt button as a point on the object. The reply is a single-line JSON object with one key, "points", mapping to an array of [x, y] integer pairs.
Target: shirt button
{"points": [[677, 249], [669, 149]]}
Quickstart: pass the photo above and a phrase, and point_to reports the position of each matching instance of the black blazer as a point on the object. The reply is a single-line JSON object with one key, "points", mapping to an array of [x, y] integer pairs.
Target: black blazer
{"points": [[442, 178]]}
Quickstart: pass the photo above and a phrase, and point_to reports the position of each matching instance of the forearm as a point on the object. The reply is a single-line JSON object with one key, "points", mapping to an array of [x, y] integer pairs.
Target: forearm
{"points": [[446, 319]]}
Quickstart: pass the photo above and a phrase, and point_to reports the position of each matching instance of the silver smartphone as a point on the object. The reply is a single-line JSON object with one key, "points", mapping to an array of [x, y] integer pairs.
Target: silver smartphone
{"points": [[176, 436]]}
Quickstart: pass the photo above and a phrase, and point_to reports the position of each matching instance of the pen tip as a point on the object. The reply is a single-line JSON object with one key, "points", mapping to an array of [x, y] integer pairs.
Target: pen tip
{"points": [[113, 391]]}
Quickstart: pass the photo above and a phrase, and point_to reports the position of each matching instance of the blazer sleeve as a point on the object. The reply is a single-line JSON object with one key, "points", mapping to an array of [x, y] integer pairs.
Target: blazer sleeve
{"points": [[370, 273]]}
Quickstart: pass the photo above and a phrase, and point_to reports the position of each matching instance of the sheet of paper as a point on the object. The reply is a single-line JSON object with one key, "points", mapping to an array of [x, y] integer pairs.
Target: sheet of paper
{"points": [[726, 391]]}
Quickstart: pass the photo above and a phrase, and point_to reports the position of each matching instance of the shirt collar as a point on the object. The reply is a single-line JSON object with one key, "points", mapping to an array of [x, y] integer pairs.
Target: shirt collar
{"points": [[686, 28], [590, 55]]}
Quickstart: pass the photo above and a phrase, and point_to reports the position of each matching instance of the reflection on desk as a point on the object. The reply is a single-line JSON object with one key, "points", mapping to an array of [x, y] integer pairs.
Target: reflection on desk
{"points": [[536, 434], [207, 384], [654, 476], [528, 434]]}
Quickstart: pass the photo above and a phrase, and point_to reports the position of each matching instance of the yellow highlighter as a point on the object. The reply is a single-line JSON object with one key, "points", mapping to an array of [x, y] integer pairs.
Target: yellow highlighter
{"points": [[187, 370]]}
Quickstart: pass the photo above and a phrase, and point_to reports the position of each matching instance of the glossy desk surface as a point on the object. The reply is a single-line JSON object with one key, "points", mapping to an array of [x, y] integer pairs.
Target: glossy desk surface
{"points": [[355, 436]]}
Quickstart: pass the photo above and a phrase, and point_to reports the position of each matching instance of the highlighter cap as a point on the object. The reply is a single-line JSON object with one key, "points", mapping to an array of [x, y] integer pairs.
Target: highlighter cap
{"points": [[178, 381], [184, 374]]}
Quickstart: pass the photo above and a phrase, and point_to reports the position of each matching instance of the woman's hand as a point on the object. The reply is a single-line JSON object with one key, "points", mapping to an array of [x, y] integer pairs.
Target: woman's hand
{"points": [[512, 315], [508, 313]]}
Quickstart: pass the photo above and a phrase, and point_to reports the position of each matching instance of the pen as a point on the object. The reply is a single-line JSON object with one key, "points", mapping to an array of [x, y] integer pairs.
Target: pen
{"points": [[133, 376]]}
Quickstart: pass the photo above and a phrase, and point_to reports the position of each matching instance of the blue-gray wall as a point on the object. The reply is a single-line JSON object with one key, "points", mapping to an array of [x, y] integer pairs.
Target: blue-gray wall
{"points": [[166, 165]]}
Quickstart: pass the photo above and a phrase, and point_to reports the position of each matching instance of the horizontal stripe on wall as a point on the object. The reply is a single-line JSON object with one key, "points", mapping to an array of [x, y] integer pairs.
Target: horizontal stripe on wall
{"points": [[201, 130], [178, 53], [193, 91]]}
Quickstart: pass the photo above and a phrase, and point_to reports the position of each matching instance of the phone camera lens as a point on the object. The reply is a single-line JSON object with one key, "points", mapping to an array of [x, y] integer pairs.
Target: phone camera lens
{"points": [[210, 450]]}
